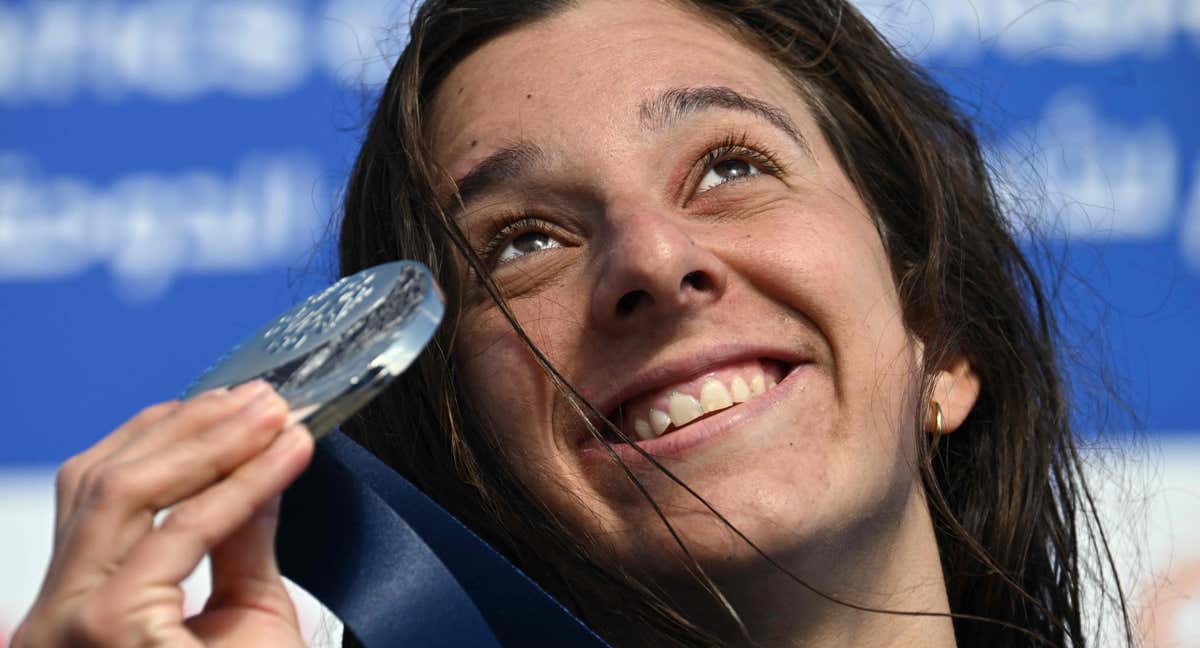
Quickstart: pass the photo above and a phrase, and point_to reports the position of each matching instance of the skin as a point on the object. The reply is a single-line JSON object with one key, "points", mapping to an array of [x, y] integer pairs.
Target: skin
{"points": [[786, 263], [220, 460]]}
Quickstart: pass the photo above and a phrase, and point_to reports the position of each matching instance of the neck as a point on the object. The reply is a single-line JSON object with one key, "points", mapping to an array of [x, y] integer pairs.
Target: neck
{"points": [[897, 571]]}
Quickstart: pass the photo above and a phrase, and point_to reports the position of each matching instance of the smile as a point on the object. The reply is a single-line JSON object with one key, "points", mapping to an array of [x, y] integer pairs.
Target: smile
{"points": [[668, 408]]}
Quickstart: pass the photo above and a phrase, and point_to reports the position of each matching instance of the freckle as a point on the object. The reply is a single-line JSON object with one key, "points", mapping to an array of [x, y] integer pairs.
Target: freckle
{"points": [[529, 96], [474, 142]]}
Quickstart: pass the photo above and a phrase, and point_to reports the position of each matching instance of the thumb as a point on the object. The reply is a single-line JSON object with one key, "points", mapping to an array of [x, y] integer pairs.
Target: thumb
{"points": [[244, 570]]}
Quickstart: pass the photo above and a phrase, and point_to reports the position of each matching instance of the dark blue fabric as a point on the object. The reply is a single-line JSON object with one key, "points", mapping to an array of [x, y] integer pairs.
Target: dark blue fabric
{"points": [[399, 570]]}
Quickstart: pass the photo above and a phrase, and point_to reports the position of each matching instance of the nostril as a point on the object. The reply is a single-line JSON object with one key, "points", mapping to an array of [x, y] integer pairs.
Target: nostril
{"points": [[629, 302], [696, 280]]}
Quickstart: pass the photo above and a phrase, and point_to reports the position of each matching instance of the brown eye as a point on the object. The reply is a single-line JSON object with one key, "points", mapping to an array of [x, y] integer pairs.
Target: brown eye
{"points": [[522, 244], [725, 171]]}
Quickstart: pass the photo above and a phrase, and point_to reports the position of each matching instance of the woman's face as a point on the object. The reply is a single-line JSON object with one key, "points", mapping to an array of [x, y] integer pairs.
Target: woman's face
{"points": [[673, 231]]}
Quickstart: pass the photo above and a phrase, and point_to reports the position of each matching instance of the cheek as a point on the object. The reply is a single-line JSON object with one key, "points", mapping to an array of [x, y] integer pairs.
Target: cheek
{"points": [[516, 403], [832, 269], [506, 386]]}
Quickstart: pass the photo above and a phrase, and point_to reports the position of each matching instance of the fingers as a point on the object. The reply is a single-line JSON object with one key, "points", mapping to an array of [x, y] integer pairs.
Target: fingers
{"points": [[206, 522], [244, 569], [217, 459], [118, 499], [199, 414], [223, 456], [67, 479], [155, 427]]}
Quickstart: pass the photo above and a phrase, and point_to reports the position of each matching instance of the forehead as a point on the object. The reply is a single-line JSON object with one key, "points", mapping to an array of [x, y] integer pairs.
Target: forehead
{"points": [[581, 75]]}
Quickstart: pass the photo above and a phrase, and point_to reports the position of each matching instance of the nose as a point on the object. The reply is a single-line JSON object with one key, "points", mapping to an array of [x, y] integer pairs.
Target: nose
{"points": [[652, 271]]}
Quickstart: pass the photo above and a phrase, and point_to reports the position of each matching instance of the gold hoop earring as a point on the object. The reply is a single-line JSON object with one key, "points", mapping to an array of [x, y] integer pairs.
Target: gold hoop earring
{"points": [[937, 425], [938, 430]]}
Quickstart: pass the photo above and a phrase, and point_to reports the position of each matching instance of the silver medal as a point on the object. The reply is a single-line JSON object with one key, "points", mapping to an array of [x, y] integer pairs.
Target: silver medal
{"points": [[337, 350]]}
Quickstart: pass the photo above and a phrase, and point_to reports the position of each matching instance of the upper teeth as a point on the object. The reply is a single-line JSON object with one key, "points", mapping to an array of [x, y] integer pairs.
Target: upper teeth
{"points": [[659, 421], [714, 396], [683, 408]]}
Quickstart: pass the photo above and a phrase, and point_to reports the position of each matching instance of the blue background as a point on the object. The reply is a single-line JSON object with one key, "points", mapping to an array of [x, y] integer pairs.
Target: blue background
{"points": [[1090, 107]]}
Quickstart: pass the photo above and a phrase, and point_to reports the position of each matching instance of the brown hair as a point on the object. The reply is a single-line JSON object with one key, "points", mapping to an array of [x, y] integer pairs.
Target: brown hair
{"points": [[1009, 503]]}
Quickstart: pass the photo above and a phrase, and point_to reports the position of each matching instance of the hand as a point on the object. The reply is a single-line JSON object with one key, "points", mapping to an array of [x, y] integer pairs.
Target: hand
{"points": [[220, 460]]}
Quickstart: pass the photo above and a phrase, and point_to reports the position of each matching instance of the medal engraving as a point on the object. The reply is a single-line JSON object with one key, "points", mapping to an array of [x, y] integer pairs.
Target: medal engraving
{"points": [[318, 313], [335, 351]]}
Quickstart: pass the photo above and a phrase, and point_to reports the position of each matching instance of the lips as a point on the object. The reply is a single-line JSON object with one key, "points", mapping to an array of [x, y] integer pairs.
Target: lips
{"points": [[671, 407], [674, 396]]}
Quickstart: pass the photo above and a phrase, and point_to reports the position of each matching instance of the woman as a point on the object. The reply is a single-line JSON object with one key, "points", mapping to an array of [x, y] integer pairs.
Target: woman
{"points": [[742, 350]]}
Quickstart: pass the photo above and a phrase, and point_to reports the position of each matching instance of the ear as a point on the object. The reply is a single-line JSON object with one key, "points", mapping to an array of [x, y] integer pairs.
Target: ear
{"points": [[955, 390]]}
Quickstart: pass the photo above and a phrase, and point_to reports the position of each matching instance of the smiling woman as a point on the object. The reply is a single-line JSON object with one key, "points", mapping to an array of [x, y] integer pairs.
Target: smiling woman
{"points": [[741, 349], [728, 276]]}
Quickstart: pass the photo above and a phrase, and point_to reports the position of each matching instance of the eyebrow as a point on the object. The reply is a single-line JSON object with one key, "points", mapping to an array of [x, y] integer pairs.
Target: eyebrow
{"points": [[508, 163], [678, 103], [517, 160]]}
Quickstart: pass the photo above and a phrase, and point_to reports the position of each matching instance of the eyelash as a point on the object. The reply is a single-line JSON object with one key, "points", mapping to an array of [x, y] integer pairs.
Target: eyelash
{"points": [[734, 147], [508, 226]]}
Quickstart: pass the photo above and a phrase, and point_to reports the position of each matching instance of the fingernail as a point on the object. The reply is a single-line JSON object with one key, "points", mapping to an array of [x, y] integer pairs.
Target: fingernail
{"points": [[251, 388], [299, 431], [289, 439], [262, 405]]}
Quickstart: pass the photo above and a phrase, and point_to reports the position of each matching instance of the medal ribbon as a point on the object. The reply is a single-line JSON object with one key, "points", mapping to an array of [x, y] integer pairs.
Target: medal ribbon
{"points": [[398, 570]]}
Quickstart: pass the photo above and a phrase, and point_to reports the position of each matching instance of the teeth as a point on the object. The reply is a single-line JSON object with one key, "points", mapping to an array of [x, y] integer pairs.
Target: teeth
{"points": [[741, 391], [659, 421], [757, 384], [643, 430], [684, 409], [714, 396]]}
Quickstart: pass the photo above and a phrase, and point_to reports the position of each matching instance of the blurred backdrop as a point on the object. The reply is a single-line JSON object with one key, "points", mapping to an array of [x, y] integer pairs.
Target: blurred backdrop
{"points": [[169, 171]]}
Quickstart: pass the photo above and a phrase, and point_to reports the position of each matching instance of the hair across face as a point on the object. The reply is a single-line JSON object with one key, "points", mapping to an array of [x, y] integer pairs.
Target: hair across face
{"points": [[671, 196], [664, 217]]}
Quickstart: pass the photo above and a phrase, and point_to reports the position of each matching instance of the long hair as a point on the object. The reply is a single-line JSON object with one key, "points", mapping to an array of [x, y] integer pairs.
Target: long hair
{"points": [[1009, 504]]}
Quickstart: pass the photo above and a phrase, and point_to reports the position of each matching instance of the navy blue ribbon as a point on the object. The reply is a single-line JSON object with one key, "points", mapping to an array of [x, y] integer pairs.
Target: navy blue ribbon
{"points": [[399, 570]]}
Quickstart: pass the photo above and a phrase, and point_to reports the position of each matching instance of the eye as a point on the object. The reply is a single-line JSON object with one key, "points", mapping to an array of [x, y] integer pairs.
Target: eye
{"points": [[727, 170], [526, 243]]}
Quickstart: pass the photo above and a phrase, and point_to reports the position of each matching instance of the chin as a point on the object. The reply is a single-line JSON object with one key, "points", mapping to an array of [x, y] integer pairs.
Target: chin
{"points": [[785, 499]]}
